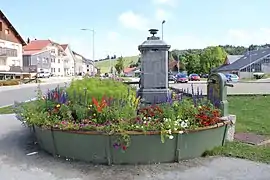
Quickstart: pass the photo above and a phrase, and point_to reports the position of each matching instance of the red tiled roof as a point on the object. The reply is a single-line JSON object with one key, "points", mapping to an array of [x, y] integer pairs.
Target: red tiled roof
{"points": [[128, 70], [30, 52], [37, 45], [64, 46]]}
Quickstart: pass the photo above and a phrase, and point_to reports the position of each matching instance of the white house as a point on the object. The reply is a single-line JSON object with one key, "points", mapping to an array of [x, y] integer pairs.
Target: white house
{"points": [[56, 51], [79, 63], [10, 45], [69, 60]]}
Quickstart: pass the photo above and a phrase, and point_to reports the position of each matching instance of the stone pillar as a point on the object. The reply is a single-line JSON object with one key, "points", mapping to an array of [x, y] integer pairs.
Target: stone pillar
{"points": [[154, 84], [231, 127]]}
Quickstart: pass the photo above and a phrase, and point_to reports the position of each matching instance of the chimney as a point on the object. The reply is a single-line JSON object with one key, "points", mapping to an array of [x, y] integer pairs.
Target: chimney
{"points": [[28, 40]]}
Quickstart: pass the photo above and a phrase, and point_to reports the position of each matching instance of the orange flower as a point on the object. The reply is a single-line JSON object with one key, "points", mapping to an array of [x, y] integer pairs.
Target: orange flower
{"points": [[100, 105]]}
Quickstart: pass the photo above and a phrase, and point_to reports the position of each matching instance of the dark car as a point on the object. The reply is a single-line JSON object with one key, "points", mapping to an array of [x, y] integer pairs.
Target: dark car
{"points": [[181, 78], [194, 77], [171, 77]]}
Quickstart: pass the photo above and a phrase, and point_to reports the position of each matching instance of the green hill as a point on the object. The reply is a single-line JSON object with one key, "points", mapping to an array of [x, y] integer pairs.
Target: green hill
{"points": [[105, 65]]}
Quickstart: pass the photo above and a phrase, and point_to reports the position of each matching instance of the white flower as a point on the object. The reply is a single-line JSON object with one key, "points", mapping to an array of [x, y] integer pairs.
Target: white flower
{"points": [[186, 121], [181, 132], [144, 122], [149, 118], [144, 118], [170, 131], [137, 126], [175, 129], [184, 124], [171, 137], [165, 119], [142, 127]]}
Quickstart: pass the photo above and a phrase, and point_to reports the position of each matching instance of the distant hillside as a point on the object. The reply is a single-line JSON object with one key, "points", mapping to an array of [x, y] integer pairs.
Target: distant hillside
{"points": [[105, 64]]}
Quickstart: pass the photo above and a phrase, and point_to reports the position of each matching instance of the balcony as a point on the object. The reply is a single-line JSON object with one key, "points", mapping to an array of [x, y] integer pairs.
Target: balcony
{"points": [[8, 52]]}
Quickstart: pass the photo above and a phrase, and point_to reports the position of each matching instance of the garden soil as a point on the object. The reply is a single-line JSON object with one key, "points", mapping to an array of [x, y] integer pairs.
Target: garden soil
{"points": [[20, 159]]}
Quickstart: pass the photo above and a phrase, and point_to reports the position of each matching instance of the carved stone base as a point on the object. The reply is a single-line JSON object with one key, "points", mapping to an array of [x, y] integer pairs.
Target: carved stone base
{"points": [[154, 96]]}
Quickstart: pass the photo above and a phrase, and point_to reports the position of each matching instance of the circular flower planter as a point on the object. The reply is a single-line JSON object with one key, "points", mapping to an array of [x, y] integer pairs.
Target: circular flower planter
{"points": [[145, 148]]}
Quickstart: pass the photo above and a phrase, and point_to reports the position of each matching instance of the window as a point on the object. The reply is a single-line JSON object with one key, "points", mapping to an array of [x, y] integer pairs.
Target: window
{"points": [[8, 52], [7, 31], [87, 66], [58, 69], [59, 62], [2, 62], [1, 26], [52, 60]]}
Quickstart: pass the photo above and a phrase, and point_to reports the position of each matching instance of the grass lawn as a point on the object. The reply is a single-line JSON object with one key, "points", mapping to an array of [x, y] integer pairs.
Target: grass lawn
{"points": [[105, 65], [251, 116], [6, 110]]}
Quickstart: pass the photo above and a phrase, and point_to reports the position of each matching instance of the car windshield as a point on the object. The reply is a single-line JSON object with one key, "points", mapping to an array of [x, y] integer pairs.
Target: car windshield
{"points": [[194, 75], [181, 76], [233, 76]]}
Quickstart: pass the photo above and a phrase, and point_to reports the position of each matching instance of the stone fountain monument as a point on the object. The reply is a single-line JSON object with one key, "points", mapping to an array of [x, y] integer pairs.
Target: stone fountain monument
{"points": [[154, 84]]}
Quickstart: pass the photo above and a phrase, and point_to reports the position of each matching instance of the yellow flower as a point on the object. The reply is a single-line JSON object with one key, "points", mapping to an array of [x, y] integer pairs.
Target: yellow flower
{"points": [[94, 114], [58, 105]]}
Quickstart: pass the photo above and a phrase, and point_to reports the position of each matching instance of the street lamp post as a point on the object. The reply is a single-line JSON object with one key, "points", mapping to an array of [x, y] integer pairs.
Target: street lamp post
{"points": [[93, 43], [162, 28]]}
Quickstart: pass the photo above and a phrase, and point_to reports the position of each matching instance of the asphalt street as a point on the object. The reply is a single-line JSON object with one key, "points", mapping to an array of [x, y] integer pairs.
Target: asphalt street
{"points": [[16, 142], [23, 93], [239, 88]]}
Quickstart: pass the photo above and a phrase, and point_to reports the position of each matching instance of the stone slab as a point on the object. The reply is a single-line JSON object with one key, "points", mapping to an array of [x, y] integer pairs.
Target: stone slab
{"points": [[250, 138]]}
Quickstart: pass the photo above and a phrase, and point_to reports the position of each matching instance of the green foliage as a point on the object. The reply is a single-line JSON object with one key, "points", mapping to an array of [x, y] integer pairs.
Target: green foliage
{"points": [[119, 66], [83, 90]]}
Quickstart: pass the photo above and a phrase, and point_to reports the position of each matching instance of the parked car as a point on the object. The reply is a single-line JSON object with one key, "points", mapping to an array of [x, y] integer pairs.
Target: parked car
{"points": [[232, 77], [181, 78], [194, 77], [171, 77], [43, 75]]}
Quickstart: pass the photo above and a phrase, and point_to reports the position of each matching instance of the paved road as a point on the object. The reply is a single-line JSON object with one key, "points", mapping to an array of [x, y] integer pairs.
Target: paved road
{"points": [[16, 142], [239, 88], [23, 93]]}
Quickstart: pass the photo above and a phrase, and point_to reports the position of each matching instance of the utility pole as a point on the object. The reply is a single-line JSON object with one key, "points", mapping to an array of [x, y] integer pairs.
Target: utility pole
{"points": [[162, 24], [93, 43]]}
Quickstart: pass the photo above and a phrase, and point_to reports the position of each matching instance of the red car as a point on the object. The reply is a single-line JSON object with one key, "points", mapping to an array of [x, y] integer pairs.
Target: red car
{"points": [[181, 78], [194, 77]]}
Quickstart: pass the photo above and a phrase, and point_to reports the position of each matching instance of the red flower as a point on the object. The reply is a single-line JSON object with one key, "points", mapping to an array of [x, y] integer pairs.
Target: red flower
{"points": [[100, 105], [124, 147]]}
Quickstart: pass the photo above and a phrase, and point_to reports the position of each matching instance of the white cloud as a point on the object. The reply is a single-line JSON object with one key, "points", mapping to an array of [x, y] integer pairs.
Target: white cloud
{"points": [[172, 3], [248, 37], [113, 36], [133, 21], [162, 15]]}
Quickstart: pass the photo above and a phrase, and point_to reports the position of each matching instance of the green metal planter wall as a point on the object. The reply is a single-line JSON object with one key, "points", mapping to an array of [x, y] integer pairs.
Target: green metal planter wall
{"points": [[144, 149]]}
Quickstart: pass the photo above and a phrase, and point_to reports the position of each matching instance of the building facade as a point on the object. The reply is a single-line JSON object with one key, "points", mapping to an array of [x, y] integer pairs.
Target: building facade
{"points": [[10, 45], [257, 61], [37, 61], [56, 57], [69, 61]]}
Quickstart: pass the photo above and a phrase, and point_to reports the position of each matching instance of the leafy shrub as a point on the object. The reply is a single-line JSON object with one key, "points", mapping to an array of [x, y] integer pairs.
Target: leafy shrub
{"points": [[95, 87], [9, 82]]}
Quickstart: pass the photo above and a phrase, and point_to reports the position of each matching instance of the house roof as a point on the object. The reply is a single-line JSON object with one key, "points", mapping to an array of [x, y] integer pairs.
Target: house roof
{"points": [[34, 52], [36, 45], [77, 54], [12, 28], [64, 46], [247, 59], [128, 70], [31, 52], [232, 58]]}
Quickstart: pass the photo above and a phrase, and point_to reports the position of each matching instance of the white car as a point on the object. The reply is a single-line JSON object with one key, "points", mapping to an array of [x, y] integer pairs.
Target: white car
{"points": [[44, 75]]}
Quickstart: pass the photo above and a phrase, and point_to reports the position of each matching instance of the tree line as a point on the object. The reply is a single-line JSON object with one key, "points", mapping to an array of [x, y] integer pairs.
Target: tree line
{"points": [[199, 60]]}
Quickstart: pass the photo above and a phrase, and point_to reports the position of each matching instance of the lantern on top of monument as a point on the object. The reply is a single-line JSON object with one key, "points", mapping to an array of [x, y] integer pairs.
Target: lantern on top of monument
{"points": [[154, 85]]}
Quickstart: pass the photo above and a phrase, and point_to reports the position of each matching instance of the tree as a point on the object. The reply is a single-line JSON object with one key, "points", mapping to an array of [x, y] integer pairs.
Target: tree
{"points": [[212, 57], [119, 66]]}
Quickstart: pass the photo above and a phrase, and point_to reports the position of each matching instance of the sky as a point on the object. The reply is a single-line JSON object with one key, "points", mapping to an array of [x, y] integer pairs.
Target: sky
{"points": [[121, 25]]}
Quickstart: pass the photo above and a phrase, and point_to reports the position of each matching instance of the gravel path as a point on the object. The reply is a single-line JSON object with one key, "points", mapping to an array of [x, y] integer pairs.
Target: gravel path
{"points": [[16, 142]]}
